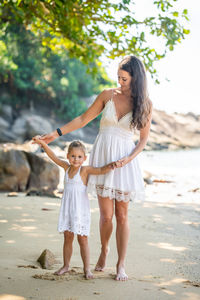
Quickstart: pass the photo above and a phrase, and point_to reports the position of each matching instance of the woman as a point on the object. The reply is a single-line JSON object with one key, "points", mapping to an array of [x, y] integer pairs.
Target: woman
{"points": [[124, 109]]}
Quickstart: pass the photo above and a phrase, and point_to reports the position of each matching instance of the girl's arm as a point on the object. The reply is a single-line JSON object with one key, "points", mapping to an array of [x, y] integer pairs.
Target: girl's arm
{"points": [[50, 153], [102, 170], [91, 113]]}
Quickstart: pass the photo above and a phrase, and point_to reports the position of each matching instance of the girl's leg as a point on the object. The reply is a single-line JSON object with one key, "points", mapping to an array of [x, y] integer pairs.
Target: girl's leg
{"points": [[85, 254], [106, 206], [122, 235], [67, 252]]}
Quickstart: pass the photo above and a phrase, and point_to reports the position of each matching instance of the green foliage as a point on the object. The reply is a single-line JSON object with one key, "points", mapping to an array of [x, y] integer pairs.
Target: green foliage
{"points": [[88, 29], [32, 73]]}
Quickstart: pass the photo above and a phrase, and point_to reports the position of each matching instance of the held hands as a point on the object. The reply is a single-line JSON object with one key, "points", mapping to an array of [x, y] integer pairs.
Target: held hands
{"points": [[122, 162], [46, 138], [118, 164], [37, 140]]}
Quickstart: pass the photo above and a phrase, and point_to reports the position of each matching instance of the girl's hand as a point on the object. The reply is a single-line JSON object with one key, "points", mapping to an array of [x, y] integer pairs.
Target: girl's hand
{"points": [[47, 138], [122, 162], [36, 140]]}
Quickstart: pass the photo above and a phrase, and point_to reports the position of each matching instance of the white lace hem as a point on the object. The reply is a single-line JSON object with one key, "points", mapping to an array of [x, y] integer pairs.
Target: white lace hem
{"points": [[103, 191], [79, 229]]}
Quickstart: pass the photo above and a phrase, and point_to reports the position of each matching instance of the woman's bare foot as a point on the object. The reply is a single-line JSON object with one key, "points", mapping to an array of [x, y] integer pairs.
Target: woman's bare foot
{"points": [[88, 274], [102, 260], [121, 275], [62, 271]]}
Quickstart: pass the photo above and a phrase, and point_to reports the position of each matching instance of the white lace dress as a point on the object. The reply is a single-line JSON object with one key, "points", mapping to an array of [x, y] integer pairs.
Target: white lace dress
{"points": [[75, 208], [115, 141]]}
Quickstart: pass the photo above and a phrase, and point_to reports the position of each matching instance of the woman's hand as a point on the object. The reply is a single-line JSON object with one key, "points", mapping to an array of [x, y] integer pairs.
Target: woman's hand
{"points": [[47, 138], [122, 162]]}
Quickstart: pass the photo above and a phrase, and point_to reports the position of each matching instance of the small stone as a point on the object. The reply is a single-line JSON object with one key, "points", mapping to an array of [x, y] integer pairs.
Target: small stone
{"points": [[12, 194], [46, 259]]}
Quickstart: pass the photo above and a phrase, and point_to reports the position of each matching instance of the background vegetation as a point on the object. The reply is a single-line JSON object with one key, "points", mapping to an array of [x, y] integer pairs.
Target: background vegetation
{"points": [[47, 47]]}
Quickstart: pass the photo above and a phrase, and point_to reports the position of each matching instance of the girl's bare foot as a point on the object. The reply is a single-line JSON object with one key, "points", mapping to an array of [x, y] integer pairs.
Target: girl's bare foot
{"points": [[121, 275], [62, 271], [88, 274], [102, 260]]}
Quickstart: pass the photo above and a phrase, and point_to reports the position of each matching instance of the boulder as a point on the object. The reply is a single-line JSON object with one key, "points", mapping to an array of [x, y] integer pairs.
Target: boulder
{"points": [[14, 170], [6, 134], [30, 125], [46, 259], [3, 124], [44, 174], [37, 125], [21, 170], [6, 112], [19, 129]]}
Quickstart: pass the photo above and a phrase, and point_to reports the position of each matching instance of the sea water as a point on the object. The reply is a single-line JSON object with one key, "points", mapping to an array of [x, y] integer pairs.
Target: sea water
{"points": [[181, 167]]}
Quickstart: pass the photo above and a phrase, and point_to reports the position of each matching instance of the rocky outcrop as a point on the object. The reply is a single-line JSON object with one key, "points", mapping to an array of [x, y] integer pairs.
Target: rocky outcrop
{"points": [[22, 170], [24, 128], [14, 170], [44, 174], [168, 131], [174, 131], [20, 128]]}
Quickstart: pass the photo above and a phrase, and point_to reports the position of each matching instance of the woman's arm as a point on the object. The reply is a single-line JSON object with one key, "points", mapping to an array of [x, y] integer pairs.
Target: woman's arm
{"points": [[91, 113], [50, 153]]}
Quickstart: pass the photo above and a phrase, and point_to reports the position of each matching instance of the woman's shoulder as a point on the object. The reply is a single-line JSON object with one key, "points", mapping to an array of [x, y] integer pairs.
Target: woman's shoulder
{"points": [[107, 94]]}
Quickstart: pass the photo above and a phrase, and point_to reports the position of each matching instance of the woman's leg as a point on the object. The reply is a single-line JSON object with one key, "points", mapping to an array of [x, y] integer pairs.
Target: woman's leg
{"points": [[106, 206], [122, 235], [67, 252], [85, 254]]}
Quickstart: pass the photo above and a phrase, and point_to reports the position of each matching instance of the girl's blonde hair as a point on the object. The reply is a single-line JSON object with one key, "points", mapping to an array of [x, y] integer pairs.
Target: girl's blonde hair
{"points": [[76, 144]]}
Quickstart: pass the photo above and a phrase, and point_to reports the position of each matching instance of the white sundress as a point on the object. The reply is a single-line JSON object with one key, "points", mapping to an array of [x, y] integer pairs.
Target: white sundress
{"points": [[115, 141], [75, 208]]}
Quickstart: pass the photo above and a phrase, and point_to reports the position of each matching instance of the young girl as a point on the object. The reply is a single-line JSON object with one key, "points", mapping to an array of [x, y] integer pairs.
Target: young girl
{"points": [[74, 215]]}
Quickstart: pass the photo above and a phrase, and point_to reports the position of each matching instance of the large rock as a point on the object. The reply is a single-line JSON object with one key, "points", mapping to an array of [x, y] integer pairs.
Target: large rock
{"points": [[19, 129], [37, 125], [44, 174], [14, 170], [6, 112], [21, 170], [30, 125], [5, 133]]}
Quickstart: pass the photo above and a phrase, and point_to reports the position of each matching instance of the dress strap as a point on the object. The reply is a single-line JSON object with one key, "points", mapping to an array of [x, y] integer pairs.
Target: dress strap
{"points": [[112, 94]]}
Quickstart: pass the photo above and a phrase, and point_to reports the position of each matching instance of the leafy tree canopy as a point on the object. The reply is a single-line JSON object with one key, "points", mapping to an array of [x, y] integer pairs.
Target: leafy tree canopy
{"points": [[33, 74], [88, 29]]}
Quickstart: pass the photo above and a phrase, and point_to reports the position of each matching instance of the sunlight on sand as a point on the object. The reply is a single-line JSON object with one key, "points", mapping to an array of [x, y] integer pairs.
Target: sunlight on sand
{"points": [[3, 221], [52, 204], [10, 242], [196, 224], [172, 282], [11, 297], [167, 246], [168, 292], [17, 227], [25, 220], [169, 260], [191, 296]]}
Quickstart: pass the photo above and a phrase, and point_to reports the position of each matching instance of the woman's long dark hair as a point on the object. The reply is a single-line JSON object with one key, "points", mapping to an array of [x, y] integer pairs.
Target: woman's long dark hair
{"points": [[141, 103]]}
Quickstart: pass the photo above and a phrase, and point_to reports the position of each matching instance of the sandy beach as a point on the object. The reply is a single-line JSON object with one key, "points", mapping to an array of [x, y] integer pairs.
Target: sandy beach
{"points": [[162, 259]]}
